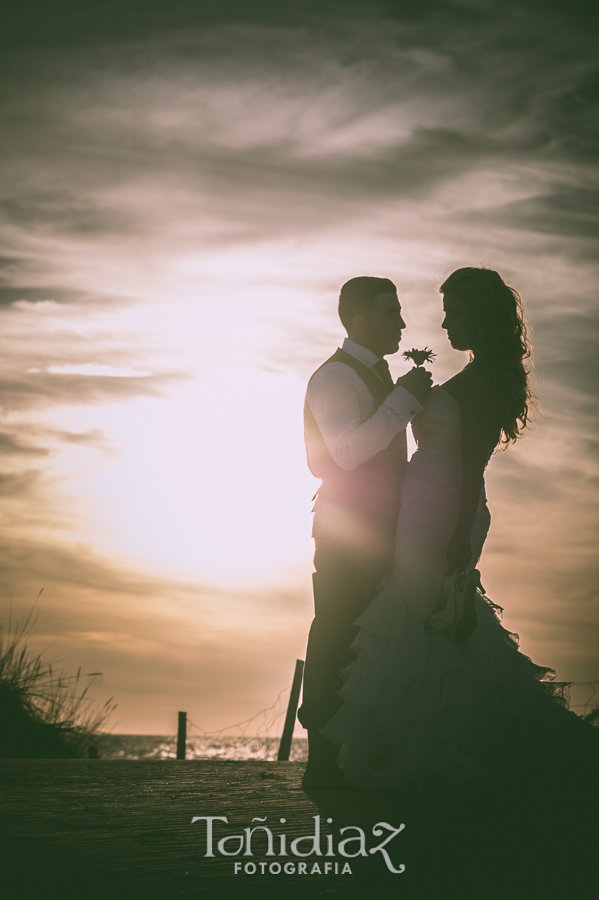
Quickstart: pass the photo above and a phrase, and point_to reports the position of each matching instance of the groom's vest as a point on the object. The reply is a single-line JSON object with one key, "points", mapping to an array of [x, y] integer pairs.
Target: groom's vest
{"points": [[369, 494]]}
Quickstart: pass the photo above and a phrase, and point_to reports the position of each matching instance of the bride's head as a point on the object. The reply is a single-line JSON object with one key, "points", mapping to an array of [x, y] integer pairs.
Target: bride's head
{"points": [[484, 315]]}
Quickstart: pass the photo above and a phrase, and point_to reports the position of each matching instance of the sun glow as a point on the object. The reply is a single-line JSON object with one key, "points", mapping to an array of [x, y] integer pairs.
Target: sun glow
{"points": [[208, 484]]}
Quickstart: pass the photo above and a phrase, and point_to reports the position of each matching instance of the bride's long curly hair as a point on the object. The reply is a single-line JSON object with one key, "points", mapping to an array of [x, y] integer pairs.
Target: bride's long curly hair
{"points": [[501, 341]]}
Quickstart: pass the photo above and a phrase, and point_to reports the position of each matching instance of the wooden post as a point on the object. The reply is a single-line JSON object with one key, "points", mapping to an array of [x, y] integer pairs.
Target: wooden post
{"points": [[285, 745], [181, 735]]}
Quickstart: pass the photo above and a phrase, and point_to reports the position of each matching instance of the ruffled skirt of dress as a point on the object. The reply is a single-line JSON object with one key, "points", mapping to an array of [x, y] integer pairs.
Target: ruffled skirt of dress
{"points": [[422, 712]]}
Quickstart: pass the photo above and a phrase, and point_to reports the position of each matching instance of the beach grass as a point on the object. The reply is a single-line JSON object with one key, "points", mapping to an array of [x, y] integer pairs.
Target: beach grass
{"points": [[44, 712]]}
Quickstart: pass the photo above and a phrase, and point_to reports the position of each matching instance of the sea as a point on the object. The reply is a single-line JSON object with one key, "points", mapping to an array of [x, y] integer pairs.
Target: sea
{"points": [[160, 746]]}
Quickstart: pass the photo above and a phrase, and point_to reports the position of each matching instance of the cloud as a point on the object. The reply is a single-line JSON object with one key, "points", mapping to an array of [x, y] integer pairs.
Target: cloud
{"points": [[10, 294], [94, 370], [10, 446], [73, 388], [20, 484], [372, 110]]}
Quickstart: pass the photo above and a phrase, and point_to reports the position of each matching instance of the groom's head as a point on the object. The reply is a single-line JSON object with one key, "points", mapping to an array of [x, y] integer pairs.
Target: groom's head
{"points": [[370, 313]]}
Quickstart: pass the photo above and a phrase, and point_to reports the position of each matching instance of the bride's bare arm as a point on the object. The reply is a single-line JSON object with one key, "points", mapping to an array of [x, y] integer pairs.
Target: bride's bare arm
{"points": [[479, 436]]}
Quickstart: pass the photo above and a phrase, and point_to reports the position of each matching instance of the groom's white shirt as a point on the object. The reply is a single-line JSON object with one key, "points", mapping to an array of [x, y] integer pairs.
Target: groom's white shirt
{"points": [[343, 408]]}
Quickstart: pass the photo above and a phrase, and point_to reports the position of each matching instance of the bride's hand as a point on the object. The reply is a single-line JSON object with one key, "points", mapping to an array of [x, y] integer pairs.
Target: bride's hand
{"points": [[459, 553]]}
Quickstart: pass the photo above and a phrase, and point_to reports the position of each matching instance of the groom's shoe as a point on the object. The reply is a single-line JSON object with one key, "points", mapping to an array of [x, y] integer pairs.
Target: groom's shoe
{"points": [[322, 772]]}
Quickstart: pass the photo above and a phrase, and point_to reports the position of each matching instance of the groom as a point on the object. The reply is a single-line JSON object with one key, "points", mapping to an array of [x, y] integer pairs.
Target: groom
{"points": [[355, 429]]}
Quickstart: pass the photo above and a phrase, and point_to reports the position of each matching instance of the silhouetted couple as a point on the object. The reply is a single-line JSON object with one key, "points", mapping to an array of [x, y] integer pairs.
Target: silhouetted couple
{"points": [[408, 666]]}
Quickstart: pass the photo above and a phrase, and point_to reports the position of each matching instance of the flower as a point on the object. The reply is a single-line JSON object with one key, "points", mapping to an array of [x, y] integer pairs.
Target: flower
{"points": [[420, 356]]}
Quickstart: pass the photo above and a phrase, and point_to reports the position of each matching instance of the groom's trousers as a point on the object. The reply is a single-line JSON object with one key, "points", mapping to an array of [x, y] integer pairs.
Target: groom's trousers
{"points": [[355, 516], [345, 583]]}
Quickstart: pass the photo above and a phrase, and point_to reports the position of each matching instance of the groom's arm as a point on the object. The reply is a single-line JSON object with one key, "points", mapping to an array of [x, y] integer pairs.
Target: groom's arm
{"points": [[340, 403]]}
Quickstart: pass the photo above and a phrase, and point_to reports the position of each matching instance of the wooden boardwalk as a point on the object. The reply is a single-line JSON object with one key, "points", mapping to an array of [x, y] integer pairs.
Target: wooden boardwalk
{"points": [[123, 829]]}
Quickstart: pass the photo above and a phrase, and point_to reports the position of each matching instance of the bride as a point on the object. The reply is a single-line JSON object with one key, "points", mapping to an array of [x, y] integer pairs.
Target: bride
{"points": [[439, 694]]}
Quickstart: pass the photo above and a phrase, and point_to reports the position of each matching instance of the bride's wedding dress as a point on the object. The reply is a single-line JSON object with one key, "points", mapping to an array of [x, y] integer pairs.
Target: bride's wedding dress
{"points": [[421, 710]]}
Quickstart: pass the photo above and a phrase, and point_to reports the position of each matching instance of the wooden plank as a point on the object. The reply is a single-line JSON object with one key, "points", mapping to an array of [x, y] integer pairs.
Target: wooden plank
{"points": [[123, 828], [132, 819]]}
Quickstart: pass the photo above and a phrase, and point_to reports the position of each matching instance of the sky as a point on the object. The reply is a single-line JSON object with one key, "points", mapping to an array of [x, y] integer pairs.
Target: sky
{"points": [[183, 193]]}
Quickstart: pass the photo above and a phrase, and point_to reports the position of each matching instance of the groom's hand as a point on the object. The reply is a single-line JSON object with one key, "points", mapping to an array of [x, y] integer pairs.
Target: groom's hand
{"points": [[418, 382]]}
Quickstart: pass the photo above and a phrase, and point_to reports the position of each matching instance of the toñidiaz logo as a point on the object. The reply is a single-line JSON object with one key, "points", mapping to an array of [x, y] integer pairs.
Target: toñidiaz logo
{"points": [[350, 843]]}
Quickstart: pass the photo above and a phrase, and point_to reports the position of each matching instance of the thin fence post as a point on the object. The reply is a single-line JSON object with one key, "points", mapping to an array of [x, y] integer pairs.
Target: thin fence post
{"points": [[181, 735], [285, 745]]}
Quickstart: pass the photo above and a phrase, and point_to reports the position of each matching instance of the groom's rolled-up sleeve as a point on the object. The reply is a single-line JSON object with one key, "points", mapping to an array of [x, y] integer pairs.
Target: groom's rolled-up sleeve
{"points": [[341, 405]]}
